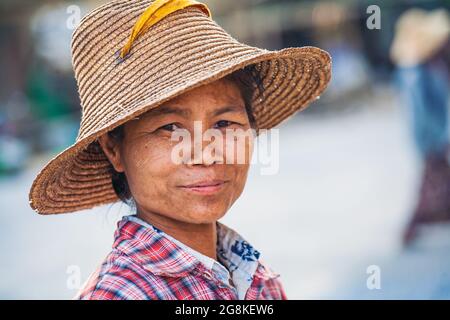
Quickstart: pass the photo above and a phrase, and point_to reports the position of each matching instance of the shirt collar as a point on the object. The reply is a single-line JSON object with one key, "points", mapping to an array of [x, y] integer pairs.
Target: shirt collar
{"points": [[207, 261], [162, 254]]}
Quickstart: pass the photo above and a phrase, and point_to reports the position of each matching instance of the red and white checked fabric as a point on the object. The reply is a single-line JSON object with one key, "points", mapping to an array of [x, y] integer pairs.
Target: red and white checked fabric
{"points": [[147, 264]]}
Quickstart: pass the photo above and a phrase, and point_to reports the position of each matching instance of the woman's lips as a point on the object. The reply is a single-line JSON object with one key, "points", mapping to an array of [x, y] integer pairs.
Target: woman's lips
{"points": [[205, 187]]}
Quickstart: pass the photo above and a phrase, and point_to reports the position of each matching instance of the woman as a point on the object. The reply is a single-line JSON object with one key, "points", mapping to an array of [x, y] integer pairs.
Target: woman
{"points": [[148, 73]]}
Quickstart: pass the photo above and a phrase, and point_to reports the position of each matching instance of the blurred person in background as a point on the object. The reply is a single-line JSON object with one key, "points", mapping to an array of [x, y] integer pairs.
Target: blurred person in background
{"points": [[420, 51]]}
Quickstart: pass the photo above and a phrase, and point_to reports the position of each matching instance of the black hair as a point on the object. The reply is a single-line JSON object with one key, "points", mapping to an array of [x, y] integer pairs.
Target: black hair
{"points": [[118, 179], [248, 81]]}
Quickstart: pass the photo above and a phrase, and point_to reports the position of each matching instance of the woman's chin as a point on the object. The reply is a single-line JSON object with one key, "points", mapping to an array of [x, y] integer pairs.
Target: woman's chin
{"points": [[202, 215]]}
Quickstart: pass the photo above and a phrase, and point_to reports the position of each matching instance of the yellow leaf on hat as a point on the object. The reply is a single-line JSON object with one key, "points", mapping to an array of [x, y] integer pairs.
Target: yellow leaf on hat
{"points": [[156, 12]]}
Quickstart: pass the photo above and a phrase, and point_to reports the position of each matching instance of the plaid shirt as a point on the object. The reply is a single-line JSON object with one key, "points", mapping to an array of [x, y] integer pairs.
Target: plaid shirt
{"points": [[147, 263]]}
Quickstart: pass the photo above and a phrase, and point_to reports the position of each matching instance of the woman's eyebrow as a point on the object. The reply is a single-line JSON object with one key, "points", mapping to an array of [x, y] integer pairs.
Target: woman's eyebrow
{"points": [[169, 110], [230, 108], [163, 110]]}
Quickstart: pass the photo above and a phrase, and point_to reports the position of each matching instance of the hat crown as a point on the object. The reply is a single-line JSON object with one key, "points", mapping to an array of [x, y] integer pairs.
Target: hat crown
{"points": [[107, 84]]}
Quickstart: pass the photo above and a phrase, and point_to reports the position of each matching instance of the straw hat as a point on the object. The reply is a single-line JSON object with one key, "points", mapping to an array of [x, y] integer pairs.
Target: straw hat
{"points": [[130, 56], [419, 35]]}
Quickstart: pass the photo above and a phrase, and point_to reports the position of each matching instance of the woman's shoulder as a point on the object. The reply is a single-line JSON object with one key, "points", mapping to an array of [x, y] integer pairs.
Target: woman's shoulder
{"points": [[118, 277]]}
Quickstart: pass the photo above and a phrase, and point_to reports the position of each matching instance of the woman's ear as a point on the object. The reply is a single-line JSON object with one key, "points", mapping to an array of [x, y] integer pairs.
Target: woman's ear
{"points": [[111, 148]]}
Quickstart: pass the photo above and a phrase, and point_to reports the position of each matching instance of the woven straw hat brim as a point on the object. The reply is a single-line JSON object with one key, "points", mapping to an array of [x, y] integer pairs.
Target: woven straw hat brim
{"points": [[181, 52]]}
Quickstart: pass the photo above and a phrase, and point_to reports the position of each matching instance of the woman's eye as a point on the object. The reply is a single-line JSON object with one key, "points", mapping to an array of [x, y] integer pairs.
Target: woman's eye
{"points": [[169, 127], [223, 124]]}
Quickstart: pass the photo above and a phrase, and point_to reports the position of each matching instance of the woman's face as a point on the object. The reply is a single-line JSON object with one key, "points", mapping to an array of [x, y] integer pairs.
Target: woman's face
{"points": [[201, 189]]}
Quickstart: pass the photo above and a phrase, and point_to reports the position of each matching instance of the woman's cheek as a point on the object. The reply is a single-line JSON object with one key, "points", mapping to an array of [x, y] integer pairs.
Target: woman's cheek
{"points": [[147, 160]]}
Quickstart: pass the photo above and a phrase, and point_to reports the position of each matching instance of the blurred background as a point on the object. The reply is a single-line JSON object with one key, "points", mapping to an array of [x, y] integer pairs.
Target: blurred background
{"points": [[360, 208]]}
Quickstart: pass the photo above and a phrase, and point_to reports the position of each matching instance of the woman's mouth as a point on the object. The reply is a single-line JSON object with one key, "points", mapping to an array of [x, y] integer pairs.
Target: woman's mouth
{"points": [[205, 187]]}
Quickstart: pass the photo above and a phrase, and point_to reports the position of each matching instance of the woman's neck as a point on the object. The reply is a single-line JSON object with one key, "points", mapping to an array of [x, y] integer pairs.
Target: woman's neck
{"points": [[200, 237]]}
